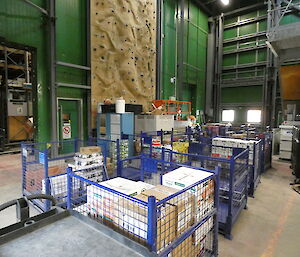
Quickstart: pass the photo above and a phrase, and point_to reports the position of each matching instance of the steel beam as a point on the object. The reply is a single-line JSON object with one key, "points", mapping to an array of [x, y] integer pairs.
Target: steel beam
{"points": [[259, 34], [180, 50], [159, 23], [204, 7], [245, 9], [42, 10], [294, 6], [240, 50], [210, 69], [219, 67], [242, 66], [60, 84], [253, 104], [88, 62], [244, 22], [71, 65], [52, 47]]}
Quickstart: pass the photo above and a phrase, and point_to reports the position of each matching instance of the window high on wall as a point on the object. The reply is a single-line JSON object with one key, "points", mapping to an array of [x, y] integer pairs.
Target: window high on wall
{"points": [[254, 116], [228, 115]]}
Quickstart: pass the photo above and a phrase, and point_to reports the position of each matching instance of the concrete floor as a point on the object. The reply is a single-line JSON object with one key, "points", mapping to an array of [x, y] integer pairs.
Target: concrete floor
{"points": [[269, 228]]}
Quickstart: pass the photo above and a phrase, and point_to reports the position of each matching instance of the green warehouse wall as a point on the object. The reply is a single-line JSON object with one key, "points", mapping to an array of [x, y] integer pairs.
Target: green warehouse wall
{"points": [[20, 23], [244, 62], [195, 48]]}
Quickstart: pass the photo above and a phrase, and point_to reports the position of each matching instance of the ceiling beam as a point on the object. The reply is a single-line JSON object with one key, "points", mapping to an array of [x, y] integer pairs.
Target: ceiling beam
{"points": [[246, 8], [204, 7]]}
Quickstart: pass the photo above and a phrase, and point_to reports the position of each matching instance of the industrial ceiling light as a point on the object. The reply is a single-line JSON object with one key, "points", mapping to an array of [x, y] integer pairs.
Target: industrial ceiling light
{"points": [[225, 2]]}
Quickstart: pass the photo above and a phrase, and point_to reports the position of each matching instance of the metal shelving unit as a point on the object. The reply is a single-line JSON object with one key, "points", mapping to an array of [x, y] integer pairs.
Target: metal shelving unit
{"points": [[16, 76]]}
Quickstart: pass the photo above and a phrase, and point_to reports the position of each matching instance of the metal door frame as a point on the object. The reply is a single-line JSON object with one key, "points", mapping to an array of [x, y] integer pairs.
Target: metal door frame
{"points": [[80, 114]]}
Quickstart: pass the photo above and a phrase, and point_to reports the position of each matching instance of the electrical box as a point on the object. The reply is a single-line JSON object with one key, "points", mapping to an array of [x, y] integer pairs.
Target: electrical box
{"points": [[19, 103]]}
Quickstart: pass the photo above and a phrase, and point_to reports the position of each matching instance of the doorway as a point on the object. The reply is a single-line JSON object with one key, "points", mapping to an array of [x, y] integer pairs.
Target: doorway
{"points": [[69, 122]]}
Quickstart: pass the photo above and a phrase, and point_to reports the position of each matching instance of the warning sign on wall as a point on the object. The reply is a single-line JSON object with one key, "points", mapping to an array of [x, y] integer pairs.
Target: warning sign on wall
{"points": [[67, 131]]}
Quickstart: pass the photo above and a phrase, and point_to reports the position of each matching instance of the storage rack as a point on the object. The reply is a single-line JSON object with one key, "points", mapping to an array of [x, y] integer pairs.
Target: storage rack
{"points": [[149, 233], [15, 64]]}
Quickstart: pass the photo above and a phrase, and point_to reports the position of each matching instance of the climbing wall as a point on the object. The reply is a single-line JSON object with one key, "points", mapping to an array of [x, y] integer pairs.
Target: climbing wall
{"points": [[123, 45]]}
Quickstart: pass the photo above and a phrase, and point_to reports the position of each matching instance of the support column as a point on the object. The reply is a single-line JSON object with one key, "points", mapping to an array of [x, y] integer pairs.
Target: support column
{"points": [[180, 50]]}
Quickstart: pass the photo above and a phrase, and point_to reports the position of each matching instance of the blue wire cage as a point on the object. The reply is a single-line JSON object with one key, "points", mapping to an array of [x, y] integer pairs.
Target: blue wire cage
{"points": [[160, 224]]}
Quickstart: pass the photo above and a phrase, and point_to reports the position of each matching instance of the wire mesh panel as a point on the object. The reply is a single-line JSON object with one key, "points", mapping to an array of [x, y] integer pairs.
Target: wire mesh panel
{"points": [[44, 168], [170, 221], [33, 173], [233, 179]]}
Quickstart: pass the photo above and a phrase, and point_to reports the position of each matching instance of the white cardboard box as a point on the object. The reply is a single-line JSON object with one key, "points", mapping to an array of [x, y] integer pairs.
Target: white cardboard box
{"points": [[150, 123], [104, 202], [184, 177]]}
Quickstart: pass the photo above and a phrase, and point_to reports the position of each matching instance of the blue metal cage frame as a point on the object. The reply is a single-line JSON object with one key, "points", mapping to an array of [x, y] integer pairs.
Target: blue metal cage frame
{"points": [[40, 159], [152, 207], [233, 184]]}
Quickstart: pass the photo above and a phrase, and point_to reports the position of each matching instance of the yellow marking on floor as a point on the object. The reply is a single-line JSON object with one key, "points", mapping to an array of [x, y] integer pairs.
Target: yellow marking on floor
{"points": [[269, 252]]}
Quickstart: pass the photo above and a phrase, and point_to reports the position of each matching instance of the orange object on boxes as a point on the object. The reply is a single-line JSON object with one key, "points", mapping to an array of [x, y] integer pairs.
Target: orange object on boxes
{"points": [[173, 107]]}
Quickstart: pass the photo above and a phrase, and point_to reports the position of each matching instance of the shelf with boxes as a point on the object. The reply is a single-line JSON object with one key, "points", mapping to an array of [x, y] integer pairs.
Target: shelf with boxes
{"points": [[172, 210], [16, 112]]}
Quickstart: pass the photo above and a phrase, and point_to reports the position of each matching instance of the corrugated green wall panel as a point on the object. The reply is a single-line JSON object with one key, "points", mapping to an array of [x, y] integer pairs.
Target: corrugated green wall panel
{"points": [[247, 29], [262, 55], [246, 57], [229, 60], [169, 48], [242, 94], [230, 20], [262, 26], [230, 33], [195, 48]]}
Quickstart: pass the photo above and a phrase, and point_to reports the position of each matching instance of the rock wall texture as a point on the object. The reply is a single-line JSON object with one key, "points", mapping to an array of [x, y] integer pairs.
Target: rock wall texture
{"points": [[123, 45]]}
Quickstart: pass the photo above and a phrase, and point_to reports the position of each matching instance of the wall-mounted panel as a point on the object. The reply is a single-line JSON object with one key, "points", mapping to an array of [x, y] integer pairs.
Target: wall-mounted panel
{"points": [[242, 94], [290, 82], [195, 48]]}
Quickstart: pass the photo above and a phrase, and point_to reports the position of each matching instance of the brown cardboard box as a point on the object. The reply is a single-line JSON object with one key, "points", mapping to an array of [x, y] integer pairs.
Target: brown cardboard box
{"points": [[90, 149], [185, 249], [133, 218], [184, 203], [34, 177]]}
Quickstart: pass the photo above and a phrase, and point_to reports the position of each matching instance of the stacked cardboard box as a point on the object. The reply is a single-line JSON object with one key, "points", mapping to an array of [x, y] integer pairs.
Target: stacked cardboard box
{"points": [[222, 147], [184, 177], [105, 203], [59, 187], [174, 217], [197, 244], [89, 165]]}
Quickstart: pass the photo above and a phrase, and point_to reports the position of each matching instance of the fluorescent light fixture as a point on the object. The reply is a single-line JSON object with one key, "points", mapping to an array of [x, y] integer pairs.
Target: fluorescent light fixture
{"points": [[225, 2], [254, 116], [228, 115]]}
